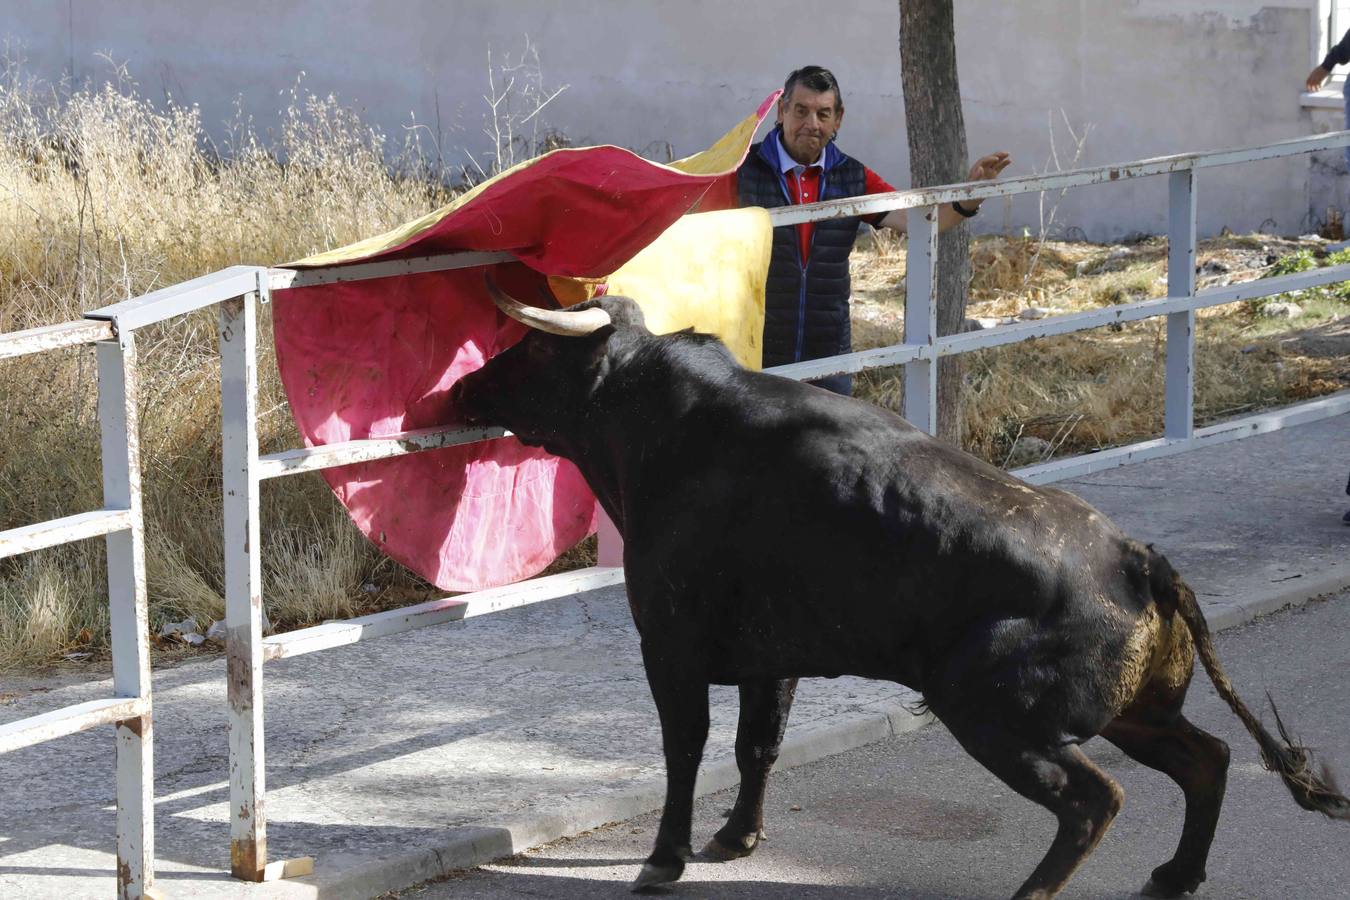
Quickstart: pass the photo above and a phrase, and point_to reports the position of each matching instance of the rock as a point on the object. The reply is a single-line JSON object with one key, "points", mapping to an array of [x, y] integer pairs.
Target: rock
{"points": [[1213, 267], [1033, 312], [1281, 310], [972, 325], [178, 629], [1115, 260], [1028, 450]]}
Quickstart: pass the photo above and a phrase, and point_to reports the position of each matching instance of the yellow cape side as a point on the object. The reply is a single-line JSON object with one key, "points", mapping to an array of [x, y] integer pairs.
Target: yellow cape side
{"points": [[706, 272]]}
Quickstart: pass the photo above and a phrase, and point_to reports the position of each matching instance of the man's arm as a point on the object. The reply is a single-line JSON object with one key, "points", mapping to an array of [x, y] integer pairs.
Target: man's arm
{"points": [[985, 168], [1338, 56]]}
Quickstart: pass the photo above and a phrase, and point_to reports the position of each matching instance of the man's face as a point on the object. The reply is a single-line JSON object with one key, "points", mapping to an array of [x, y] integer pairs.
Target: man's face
{"points": [[809, 119]]}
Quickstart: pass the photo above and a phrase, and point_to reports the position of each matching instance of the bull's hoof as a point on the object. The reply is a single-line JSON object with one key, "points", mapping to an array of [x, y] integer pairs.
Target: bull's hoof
{"points": [[716, 851], [1165, 883], [654, 876], [1156, 888]]}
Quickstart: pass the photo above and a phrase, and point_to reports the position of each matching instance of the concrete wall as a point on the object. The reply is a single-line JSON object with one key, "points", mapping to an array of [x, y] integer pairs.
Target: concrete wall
{"points": [[1150, 77]]}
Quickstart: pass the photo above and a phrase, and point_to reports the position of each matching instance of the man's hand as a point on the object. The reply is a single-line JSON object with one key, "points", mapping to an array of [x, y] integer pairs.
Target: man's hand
{"points": [[986, 168], [1315, 79]]}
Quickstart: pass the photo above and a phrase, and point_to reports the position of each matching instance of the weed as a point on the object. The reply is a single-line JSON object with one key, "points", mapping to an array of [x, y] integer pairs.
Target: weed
{"points": [[1305, 260], [1104, 388], [104, 196]]}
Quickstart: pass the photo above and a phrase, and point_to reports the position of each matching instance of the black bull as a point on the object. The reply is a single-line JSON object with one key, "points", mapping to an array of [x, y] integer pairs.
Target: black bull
{"points": [[773, 531]]}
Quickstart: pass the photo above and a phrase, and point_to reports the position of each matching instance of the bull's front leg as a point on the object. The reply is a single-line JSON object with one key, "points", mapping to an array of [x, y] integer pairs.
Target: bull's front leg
{"points": [[764, 716], [682, 704]]}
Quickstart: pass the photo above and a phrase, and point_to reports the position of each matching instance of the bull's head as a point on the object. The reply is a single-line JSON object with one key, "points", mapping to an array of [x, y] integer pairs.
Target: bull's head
{"points": [[543, 387]]}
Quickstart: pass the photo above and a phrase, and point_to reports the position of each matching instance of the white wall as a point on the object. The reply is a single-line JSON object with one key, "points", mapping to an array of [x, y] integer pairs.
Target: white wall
{"points": [[1151, 76]]}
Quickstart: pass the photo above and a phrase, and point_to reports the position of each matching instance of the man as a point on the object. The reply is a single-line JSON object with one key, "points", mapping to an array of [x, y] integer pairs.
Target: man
{"points": [[1339, 55], [806, 306]]}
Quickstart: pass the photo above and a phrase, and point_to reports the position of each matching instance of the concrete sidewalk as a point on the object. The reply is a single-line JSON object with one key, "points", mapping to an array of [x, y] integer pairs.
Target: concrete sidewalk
{"points": [[397, 759]]}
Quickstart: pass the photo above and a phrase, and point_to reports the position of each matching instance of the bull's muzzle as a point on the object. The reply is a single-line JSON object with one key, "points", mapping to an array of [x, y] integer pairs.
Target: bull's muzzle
{"points": [[461, 408]]}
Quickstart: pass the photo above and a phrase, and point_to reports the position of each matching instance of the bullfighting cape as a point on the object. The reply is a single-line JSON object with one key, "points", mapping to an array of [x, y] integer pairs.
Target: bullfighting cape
{"points": [[373, 358]]}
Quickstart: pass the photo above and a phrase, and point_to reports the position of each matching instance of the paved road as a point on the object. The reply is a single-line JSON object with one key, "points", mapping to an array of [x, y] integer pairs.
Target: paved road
{"points": [[915, 817]]}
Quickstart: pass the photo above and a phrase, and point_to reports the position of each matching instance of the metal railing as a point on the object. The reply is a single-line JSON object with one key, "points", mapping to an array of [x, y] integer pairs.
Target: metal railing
{"points": [[120, 523], [922, 346], [239, 291]]}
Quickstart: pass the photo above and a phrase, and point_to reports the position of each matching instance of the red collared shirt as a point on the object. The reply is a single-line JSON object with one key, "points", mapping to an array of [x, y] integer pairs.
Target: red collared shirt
{"points": [[723, 195], [803, 184]]}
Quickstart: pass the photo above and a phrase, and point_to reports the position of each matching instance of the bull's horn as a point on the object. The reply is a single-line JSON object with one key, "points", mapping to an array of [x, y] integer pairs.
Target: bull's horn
{"points": [[569, 323]]}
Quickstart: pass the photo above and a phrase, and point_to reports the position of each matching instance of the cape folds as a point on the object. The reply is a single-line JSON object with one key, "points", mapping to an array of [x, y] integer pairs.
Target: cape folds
{"points": [[373, 358]]}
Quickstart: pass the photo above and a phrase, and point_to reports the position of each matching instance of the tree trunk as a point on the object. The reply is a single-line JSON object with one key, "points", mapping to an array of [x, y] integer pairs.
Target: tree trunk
{"points": [[936, 130]]}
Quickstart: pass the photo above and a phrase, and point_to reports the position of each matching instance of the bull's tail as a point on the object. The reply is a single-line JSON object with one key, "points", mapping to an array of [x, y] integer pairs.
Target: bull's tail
{"points": [[1312, 790]]}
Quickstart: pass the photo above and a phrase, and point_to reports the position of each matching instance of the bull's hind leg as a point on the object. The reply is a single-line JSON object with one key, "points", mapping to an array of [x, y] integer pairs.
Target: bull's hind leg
{"points": [[1195, 760], [764, 716], [1083, 798]]}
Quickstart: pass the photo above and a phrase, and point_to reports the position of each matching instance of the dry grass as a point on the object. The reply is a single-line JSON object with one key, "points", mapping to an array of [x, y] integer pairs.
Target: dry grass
{"points": [[1104, 388], [45, 606], [104, 195]]}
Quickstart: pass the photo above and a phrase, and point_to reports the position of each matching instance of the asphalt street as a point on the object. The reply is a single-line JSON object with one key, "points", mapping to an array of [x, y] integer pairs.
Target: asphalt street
{"points": [[914, 817]]}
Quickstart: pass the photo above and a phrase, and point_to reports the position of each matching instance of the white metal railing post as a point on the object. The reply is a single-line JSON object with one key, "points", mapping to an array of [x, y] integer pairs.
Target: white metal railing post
{"points": [[119, 420], [921, 316], [1179, 401], [243, 585], [609, 543]]}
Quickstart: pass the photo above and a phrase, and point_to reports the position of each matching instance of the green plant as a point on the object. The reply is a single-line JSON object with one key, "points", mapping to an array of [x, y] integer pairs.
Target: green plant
{"points": [[1304, 260], [1292, 263]]}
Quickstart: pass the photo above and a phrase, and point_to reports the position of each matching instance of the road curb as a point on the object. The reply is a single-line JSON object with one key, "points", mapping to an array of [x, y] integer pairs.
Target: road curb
{"points": [[1296, 591], [466, 848]]}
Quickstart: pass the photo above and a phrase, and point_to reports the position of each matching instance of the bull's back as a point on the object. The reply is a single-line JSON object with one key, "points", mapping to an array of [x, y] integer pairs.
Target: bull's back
{"points": [[826, 529]]}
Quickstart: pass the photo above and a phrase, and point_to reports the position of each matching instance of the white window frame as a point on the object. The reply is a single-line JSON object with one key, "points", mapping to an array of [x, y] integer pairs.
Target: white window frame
{"points": [[1333, 19]]}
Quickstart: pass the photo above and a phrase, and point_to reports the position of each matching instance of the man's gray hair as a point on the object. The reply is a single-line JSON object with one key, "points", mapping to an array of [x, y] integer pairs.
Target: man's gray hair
{"points": [[814, 78]]}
